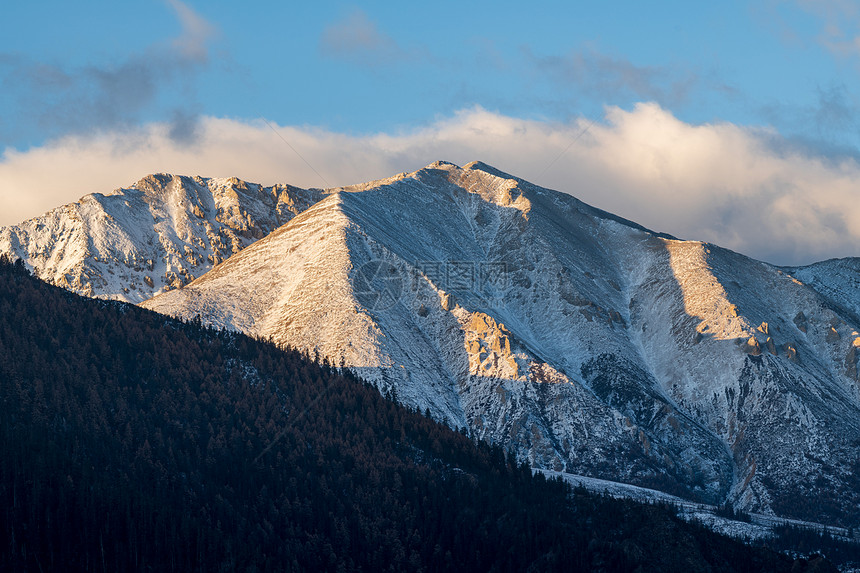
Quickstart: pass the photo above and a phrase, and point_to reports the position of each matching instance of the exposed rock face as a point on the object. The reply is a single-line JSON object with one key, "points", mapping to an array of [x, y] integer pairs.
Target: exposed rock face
{"points": [[801, 322], [771, 347], [577, 339], [157, 235], [753, 347]]}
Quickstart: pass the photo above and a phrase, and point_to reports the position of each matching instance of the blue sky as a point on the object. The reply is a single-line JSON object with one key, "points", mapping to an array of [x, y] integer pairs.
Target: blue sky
{"points": [[96, 95], [382, 66]]}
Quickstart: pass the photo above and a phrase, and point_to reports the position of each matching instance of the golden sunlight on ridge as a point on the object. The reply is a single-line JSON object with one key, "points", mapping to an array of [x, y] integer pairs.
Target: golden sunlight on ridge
{"points": [[704, 296]]}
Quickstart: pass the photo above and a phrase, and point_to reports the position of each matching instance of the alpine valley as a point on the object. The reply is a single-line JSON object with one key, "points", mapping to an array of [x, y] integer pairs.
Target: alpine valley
{"points": [[575, 339]]}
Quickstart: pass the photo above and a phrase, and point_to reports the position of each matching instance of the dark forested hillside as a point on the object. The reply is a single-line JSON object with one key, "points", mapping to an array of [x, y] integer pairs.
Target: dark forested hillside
{"points": [[132, 442]]}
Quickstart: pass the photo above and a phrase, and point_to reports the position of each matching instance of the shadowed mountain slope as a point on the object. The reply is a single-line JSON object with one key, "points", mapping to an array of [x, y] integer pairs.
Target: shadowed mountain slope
{"points": [[134, 443]]}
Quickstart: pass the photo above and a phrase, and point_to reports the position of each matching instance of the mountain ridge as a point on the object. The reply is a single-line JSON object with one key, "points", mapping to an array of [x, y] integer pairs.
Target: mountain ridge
{"points": [[157, 234], [572, 337]]}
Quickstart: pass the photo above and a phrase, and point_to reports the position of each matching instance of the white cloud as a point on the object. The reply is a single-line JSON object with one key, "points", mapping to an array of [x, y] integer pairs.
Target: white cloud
{"points": [[743, 188], [357, 38], [196, 32]]}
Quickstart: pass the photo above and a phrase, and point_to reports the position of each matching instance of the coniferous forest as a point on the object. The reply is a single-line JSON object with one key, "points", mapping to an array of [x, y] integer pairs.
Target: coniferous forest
{"points": [[134, 442]]}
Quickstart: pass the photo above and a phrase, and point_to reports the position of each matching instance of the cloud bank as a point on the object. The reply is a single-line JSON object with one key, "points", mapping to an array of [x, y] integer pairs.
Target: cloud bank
{"points": [[743, 188]]}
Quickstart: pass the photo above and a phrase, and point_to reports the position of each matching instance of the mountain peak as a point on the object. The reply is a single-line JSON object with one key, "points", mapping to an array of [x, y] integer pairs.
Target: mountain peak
{"points": [[158, 234], [442, 164], [486, 168], [471, 166]]}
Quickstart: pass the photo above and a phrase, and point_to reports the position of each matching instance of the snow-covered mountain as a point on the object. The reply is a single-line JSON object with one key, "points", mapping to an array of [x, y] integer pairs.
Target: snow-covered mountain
{"points": [[576, 338], [159, 234], [581, 341]]}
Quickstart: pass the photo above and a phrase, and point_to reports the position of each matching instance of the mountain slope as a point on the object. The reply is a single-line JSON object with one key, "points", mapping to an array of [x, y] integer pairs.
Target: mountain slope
{"points": [[573, 337], [838, 281], [159, 234], [150, 445]]}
